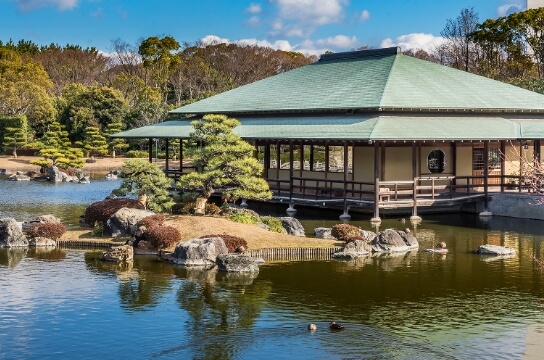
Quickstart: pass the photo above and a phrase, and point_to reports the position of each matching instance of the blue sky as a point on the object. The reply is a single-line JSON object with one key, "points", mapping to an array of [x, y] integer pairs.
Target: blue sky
{"points": [[309, 26]]}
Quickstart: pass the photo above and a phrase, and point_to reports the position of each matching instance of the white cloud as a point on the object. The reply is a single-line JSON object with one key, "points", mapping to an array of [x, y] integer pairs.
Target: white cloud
{"points": [[30, 5], [426, 42], [302, 17], [339, 41], [254, 21], [365, 15], [278, 44], [507, 9], [254, 8], [213, 40]]}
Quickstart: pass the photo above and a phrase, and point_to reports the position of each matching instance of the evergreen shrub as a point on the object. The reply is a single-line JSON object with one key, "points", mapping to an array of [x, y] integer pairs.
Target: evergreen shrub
{"points": [[48, 230], [244, 217], [232, 242], [346, 232], [274, 224], [163, 237]]}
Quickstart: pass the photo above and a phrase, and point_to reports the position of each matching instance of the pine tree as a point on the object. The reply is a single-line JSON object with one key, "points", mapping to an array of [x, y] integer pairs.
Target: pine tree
{"points": [[115, 144], [148, 181], [226, 161], [16, 136], [56, 149], [94, 142]]}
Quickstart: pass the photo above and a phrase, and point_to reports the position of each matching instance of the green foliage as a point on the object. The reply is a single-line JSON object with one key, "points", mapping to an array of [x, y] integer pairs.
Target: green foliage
{"points": [[14, 131], [346, 232], [232, 242], [115, 144], [137, 154], [141, 177], [244, 217], [56, 150], [274, 224], [163, 237], [98, 229], [94, 142], [226, 161], [48, 230], [188, 208]]}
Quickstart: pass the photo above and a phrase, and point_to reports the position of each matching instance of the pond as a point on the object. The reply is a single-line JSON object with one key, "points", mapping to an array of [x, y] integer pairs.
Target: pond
{"points": [[64, 303]]}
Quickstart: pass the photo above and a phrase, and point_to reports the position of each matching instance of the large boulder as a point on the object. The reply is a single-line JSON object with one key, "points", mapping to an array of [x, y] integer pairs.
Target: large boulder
{"points": [[101, 211], [54, 174], [323, 233], [292, 226], [199, 252], [353, 250], [391, 240], [19, 176], [118, 254], [367, 235], [495, 250], [237, 263], [11, 234], [42, 242], [125, 221]]}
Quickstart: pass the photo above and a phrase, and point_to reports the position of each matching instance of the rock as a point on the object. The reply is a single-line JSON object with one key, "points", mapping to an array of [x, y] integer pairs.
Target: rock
{"points": [[53, 174], [40, 220], [495, 250], [85, 180], [391, 240], [440, 248], [111, 176], [199, 252], [353, 250], [42, 242], [19, 177], [118, 254], [292, 226], [323, 233], [367, 235], [237, 263], [125, 221], [11, 234]]}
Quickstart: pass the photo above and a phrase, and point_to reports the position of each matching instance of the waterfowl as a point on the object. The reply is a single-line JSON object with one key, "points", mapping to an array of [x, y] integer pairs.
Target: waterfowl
{"points": [[312, 327], [335, 326]]}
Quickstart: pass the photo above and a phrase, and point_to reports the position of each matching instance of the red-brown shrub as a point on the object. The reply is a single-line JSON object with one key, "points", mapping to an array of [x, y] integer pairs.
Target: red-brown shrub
{"points": [[48, 230], [151, 221], [101, 211], [345, 232], [163, 237], [232, 242]]}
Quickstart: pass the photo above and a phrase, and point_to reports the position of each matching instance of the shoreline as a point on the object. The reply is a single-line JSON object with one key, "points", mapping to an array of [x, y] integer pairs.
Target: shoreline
{"points": [[22, 163]]}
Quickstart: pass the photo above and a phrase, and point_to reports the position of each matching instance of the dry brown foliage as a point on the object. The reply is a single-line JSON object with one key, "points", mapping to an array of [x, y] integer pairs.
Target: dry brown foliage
{"points": [[101, 211], [151, 221], [232, 242], [163, 237], [346, 232], [48, 230]]}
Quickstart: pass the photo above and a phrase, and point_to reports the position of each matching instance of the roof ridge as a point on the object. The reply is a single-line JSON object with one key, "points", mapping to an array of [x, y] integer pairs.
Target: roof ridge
{"points": [[359, 54], [387, 80]]}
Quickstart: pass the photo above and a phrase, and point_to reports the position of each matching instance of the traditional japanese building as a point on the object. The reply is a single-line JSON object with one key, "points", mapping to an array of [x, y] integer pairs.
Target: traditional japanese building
{"points": [[377, 130]]}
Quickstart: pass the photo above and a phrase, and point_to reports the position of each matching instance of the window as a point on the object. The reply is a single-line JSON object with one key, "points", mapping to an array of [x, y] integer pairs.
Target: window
{"points": [[436, 161], [494, 159], [273, 157]]}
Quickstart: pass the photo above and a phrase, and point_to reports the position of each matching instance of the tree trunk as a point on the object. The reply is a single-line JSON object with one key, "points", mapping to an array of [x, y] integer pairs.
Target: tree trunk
{"points": [[142, 199], [15, 152], [200, 208]]}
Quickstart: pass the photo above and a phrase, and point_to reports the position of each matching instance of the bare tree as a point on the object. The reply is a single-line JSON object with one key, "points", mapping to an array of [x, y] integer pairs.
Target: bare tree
{"points": [[459, 49]]}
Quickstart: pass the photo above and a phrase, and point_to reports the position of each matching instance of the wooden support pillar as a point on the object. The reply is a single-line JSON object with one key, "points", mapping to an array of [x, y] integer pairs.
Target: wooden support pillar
{"points": [[181, 155], [166, 167], [345, 215], [150, 145], [326, 158], [454, 163], [382, 161], [291, 209], [537, 151], [503, 163], [278, 160], [414, 160], [301, 157], [266, 160], [376, 218], [311, 158]]}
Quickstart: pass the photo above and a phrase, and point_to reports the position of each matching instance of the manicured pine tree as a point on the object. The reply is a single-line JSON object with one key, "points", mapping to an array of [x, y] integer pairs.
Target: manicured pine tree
{"points": [[148, 181], [16, 135], [115, 144], [56, 149], [226, 161], [94, 142]]}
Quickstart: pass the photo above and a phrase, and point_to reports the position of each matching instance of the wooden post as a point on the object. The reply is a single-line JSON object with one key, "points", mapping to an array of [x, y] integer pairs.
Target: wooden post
{"points": [[414, 218], [150, 144], [345, 215], [166, 168], [291, 160], [181, 156], [266, 160], [414, 160], [503, 161], [376, 218]]}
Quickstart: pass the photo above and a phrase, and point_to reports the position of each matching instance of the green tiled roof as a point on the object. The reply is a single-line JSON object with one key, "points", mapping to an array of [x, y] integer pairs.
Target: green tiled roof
{"points": [[364, 127], [371, 80]]}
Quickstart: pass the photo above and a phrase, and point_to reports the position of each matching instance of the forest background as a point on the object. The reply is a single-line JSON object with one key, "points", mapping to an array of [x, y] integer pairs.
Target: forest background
{"points": [[64, 101]]}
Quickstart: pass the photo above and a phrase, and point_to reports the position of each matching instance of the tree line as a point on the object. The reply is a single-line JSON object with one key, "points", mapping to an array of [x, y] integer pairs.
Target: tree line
{"points": [[81, 95]]}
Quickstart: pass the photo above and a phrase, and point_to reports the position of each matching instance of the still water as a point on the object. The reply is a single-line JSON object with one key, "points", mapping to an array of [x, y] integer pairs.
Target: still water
{"points": [[64, 303]]}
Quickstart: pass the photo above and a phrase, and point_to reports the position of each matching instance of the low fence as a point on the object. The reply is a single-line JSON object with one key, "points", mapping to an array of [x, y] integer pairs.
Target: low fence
{"points": [[84, 244], [293, 253]]}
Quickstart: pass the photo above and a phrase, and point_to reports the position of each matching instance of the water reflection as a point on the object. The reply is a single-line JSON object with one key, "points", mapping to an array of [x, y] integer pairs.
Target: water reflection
{"points": [[12, 256], [46, 253]]}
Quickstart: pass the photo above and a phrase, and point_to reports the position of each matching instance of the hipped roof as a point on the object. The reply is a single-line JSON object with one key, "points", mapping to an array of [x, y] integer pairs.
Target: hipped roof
{"points": [[371, 80]]}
